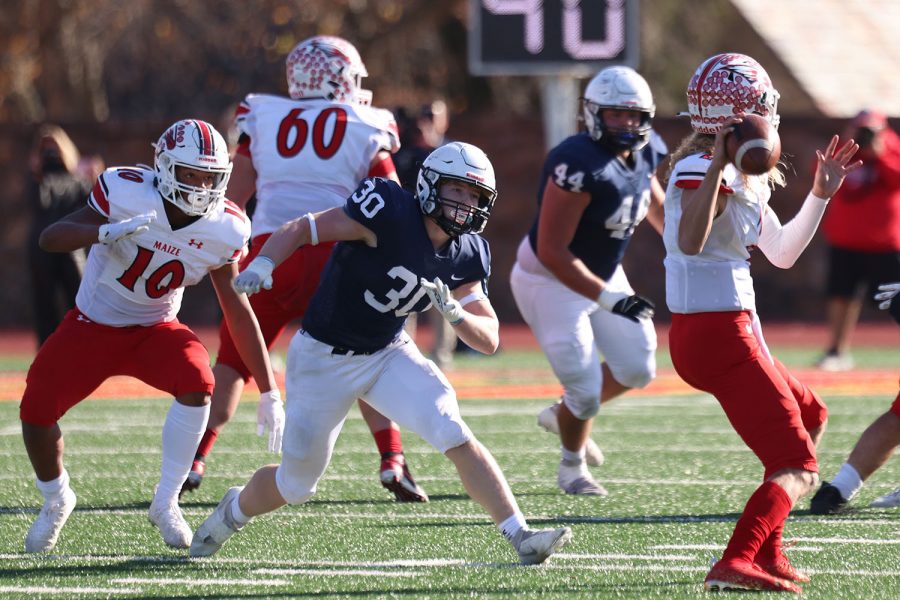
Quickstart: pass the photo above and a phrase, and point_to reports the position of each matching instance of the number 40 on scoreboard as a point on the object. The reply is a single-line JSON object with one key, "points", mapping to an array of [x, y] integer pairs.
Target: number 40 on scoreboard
{"points": [[551, 37]]}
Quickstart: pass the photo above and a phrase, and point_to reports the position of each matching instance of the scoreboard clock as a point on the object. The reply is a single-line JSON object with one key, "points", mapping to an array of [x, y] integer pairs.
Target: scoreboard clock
{"points": [[552, 37]]}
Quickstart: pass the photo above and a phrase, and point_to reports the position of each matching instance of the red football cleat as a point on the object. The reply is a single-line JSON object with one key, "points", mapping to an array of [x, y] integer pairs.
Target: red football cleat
{"points": [[736, 575], [783, 568], [395, 476]]}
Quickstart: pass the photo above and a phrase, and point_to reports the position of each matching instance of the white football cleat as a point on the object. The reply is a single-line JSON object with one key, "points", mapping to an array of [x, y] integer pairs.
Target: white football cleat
{"points": [[536, 545], [45, 530], [578, 481], [174, 529], [217, 528], [547, 420], [891, 500]]}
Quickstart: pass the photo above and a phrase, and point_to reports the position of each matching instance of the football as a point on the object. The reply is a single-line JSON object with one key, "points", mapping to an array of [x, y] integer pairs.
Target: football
{"points": [[753, 145]]}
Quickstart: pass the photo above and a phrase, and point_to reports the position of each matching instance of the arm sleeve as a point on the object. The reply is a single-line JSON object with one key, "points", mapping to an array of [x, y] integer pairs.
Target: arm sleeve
{"points": [[783, 245]]}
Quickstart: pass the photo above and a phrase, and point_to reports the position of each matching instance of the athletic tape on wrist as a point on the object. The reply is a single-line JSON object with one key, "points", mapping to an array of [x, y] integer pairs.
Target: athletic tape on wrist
{"points": [[313, 231]]}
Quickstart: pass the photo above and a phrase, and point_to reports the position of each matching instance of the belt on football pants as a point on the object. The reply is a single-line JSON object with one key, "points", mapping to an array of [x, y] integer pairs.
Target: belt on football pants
{"points": [[341, 351]]}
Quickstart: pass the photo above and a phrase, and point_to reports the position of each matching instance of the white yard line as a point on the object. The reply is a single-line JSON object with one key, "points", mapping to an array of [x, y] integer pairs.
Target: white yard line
{"points": [[720, 547], [209, 582], [58, 591], [340, 572]]}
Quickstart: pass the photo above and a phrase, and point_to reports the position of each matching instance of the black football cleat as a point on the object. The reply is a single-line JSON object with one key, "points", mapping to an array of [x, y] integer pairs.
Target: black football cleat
{"points": [[827, 501]]}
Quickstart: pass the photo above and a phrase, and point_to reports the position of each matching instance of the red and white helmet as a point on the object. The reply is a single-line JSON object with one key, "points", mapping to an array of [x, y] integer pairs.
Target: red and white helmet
{"points": [[197, 145], [327, 67], [727, 84]]}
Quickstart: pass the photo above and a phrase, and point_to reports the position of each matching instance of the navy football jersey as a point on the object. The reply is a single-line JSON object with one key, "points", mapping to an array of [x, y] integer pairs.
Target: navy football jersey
{"points": [[366, 293], [620, 196]]}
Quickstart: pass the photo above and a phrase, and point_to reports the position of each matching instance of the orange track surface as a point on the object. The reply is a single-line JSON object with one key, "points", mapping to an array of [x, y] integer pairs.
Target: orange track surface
{"points": [[535, 383]]}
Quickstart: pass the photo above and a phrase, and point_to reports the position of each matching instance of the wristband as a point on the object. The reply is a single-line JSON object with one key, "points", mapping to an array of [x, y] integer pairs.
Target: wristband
{"points": [[313, 231]]}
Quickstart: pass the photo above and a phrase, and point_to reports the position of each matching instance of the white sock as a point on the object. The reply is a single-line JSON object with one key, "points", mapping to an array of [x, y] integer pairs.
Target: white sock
{"points": [[847, 481], [572, 458], [237, 514], [512, 525], [181, 435], [53, 489]]}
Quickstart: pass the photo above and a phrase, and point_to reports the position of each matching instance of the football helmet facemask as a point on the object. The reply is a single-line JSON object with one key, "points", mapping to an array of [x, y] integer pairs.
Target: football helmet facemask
{"points": [[327, 67], [462, 162], [197, 145], [620, 88], [727, 84]]}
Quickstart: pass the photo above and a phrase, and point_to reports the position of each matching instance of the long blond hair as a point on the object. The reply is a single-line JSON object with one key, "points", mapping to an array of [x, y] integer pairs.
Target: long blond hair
{"points": [[55, 134], [696, 143]]}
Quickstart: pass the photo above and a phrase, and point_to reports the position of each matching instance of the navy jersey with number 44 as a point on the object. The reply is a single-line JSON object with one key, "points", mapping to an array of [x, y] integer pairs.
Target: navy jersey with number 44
{"points": [[366, 293], [620, 196]]}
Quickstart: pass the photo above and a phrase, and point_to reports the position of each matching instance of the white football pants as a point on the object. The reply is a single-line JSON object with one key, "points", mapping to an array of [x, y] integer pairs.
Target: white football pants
{"points": [[571, 330], [397, 381]]}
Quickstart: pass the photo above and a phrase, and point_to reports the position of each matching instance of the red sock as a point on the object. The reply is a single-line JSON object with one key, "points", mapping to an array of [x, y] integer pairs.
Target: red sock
{"points": [[206, 443], [771, 548], [388, 441], [766, 510]]}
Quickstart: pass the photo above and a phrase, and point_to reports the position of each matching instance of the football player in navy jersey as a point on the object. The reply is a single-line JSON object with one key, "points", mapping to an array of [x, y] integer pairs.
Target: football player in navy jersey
{"points": [[397, 253], [568, 282]]}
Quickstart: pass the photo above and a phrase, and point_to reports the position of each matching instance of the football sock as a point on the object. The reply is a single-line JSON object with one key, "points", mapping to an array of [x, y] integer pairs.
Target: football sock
{"points": [[237, 514], [847, 481], [572, 458], [512, 525], [771, 548], [767, 508], [180, 435], [388, 441], [53, 489], [206, 443]]}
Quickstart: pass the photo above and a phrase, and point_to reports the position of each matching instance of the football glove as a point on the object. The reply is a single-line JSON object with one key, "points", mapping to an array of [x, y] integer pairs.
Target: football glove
{"points": [[270, 414], [111, 233], [889, 299], [886, 293], [630, 306], [258, 274], [442, 300]]}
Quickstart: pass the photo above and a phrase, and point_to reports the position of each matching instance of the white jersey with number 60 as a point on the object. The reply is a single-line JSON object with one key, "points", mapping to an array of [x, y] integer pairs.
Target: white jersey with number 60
{"points": [[309, 155]]}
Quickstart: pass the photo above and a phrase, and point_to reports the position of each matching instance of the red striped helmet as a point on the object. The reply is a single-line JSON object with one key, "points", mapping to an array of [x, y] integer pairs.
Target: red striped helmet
{"points": [[727, 84], [197, 145]]}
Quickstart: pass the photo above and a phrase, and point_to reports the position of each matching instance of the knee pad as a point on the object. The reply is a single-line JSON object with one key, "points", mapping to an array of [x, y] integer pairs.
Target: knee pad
{"points": [[636, 375], [449, 433], [294, 483], [584, 406]]}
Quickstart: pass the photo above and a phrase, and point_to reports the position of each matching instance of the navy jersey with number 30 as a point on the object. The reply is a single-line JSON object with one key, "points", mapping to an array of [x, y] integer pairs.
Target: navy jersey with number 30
{"points": [[620, 196], [366, 293]]}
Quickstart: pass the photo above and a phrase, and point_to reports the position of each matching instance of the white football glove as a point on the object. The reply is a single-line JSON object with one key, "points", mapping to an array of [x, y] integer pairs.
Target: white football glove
{"points": [[442, 300], [113, 232], [886, 293], [258, 274], [270, 414]]}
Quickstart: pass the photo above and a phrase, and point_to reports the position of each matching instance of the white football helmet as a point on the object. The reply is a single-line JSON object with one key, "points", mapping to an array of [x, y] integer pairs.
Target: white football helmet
{"points": [[459, 162], [195, 144], [327, 67], [725, 85], [619, 88]]}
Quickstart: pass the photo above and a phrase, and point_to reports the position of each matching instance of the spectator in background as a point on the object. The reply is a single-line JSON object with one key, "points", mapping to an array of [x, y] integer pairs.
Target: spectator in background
{"points": [[418, 137], [55, 188], [862, 228], [874, 447]]}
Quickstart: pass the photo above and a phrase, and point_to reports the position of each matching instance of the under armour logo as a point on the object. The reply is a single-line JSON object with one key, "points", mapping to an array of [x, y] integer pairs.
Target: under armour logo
{"points": [[83, 318], [194, 242]]}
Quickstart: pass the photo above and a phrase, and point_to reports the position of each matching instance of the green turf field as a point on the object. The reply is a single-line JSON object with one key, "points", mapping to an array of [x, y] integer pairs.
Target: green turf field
{"points": [[678, 477]]}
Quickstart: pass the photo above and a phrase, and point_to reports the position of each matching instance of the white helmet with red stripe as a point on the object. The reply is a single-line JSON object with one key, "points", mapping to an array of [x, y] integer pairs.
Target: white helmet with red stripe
{"points": [[327, 67], [197, 145], [727, 84]]}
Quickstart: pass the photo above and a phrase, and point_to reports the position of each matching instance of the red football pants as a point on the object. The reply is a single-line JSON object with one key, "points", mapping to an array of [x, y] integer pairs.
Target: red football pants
{"points": [[81, 354], [769, 408]]}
